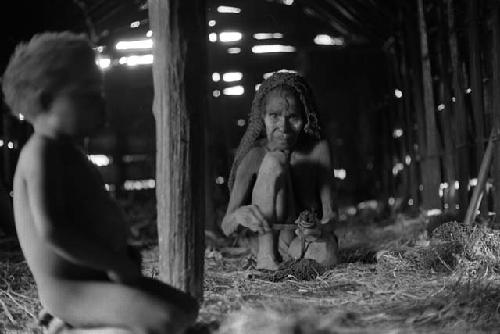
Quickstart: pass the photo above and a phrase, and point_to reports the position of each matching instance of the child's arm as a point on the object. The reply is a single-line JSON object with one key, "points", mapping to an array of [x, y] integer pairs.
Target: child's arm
{"points": [[325, 177], [46, 198]]}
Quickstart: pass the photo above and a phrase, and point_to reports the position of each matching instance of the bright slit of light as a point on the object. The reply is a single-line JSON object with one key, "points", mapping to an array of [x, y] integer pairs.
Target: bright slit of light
{"points": [[398, 93], [149, 33], [370, 205], [215, 76], [212, 23], [351, 210], [212, 37], [232, 76], [233, 50], [99, 160], [235, 90], [137, 60], [397, 168], [433, 212], [272, 48], [230, 36], [339, 174], [139, 184], [397, 133], [324, 39], [135, 45], [135, 24], [103, 63], [267, 75], [228, 10], [268, 35], [109, 187]]}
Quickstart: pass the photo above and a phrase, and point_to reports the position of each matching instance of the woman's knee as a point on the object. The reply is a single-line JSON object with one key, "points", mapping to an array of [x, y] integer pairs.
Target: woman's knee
{"points": [[273, 164]]}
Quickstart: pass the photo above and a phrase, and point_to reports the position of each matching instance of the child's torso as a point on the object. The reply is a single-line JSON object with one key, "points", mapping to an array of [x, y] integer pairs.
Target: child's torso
{"points": [[87, 207]]}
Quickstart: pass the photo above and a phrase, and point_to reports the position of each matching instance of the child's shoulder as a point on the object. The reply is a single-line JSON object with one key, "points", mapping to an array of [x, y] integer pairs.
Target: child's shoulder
{"points": [[36, 152]]}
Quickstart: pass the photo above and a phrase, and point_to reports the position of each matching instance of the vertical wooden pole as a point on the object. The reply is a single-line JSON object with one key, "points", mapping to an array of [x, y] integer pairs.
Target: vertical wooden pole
{"points": [[446, 114], [460, 112], [431, 171], [209, 176], [476, 86], [179, 62], [404, 66], [496, 107], [402, 143], [415, 85]]}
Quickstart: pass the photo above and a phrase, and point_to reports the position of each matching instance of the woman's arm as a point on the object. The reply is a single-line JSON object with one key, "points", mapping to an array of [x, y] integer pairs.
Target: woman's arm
{"points": [[238, 213], [325, 179]]}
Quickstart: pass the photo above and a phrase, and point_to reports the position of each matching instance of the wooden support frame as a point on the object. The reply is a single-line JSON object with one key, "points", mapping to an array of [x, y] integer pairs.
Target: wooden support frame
{"points": [[430, 165], [446, 114], [476, 85], [179, 52], [496, 104], [461, 143]]}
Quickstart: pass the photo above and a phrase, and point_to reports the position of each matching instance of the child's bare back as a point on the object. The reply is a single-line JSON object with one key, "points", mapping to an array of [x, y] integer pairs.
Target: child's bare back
{"points": [[58, 174]]}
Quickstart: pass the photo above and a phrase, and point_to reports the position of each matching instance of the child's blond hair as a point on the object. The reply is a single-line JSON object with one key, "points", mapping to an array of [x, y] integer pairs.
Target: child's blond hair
{"points": [[45, 64]]}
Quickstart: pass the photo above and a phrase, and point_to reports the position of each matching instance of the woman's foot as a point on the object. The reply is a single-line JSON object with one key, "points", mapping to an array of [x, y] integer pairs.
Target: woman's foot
{"points": [[266, 262]]}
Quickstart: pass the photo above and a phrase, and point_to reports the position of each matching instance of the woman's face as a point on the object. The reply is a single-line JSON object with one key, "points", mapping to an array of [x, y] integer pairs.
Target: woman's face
{"points": [[283, 118]]}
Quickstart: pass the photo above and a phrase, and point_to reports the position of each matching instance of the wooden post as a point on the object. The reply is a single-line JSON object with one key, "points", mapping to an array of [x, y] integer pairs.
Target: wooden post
{"points": [[482, 178], [178, 74], [460, 112], [431, 169], [495, 52], [403, 190], [476, 85], [446, 114], [404, 66]]}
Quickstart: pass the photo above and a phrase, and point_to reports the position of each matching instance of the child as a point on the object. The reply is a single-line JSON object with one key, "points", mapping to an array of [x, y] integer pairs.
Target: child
{"points": [[282, 168], [72, 233]]}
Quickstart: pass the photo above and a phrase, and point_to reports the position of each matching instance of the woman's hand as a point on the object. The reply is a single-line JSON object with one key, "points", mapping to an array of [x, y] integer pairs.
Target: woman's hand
{"points": [[248, 216]]}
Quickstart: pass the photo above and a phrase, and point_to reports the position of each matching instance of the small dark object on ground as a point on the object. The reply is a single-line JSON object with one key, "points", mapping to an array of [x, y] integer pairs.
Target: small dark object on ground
{"points": [[302, 270], [203, 328]]}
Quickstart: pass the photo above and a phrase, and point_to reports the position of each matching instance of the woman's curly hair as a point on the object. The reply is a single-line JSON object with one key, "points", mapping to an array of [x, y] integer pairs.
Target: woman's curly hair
{"points": [[256, 127]]}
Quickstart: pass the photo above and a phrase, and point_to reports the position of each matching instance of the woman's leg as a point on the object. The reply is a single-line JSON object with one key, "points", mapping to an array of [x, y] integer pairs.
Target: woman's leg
{"points": [[271, 195]]}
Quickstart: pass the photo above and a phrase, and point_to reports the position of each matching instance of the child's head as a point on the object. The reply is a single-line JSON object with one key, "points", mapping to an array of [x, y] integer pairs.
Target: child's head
{"points": [[49, 65]]}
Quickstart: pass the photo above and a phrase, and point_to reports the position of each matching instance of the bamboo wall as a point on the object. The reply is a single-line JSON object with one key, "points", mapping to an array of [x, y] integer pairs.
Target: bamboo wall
{"points": [[447, 72]]}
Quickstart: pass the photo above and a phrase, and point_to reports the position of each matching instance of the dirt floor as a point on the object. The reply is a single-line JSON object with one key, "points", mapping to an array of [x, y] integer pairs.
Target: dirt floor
{"points": [[391, 281]]}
